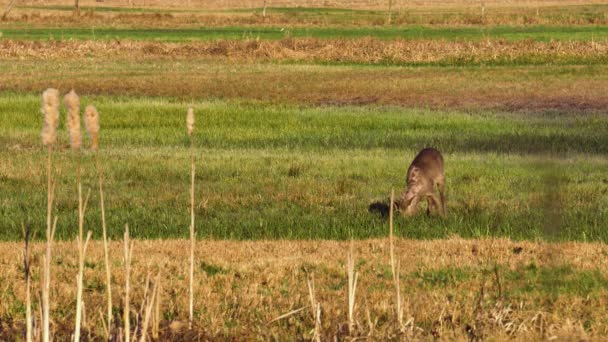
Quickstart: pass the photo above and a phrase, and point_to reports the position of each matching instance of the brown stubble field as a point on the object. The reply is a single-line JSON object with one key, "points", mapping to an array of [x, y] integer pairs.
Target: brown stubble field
{"points": [[266, 70], [454, 289]]}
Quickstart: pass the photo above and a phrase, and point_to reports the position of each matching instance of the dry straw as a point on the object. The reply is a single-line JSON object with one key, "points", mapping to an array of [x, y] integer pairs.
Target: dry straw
{"points": [[128, 256], [72, 103], [352, 287], [91, 122], [50, 110], [190, 126], [190, 121]]}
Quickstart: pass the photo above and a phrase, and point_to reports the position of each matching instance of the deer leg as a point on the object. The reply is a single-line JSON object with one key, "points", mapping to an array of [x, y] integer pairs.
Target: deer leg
{"points": [[441, 188], [434, 203]]}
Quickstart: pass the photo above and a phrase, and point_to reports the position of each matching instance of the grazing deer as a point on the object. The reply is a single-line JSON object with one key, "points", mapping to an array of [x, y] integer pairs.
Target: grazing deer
{"points": [[425, 172]]}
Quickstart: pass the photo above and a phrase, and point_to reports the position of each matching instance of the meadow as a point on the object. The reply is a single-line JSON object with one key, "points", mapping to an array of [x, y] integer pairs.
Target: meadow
{"points": [[304, 117], [287, 171]]}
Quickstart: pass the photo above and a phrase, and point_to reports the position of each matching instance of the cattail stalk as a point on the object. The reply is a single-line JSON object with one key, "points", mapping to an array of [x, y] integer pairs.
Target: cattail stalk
{"points": [[50, 110], [128, 254], [190, 127], [91, 121], [72, 103]]}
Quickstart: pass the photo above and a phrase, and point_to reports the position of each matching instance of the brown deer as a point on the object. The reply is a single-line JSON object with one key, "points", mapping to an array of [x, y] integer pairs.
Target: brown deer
{"points": [[424, 174]]}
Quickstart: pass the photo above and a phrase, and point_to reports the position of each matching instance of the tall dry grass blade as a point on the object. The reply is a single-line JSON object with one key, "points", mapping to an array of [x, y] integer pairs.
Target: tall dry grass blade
{"points": [[352, 288], [390, 232], [91, 122], [395, 267], [149, 306], [72, 103], [190, 121], [82, 250], [190, 126], [290, 313], [26, 269], [316, 308], [128, 254], [50, 110], [317, 332], [106, 254], [106, 330], [156, 323]]}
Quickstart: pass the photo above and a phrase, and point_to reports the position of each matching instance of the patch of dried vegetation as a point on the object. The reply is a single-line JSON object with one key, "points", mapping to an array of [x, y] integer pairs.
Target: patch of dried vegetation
{"points": [[244, 285], [366, 50]]}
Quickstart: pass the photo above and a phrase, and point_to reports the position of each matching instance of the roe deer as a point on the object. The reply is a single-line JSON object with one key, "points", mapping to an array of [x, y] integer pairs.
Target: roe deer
{"points": [[425, 172]]}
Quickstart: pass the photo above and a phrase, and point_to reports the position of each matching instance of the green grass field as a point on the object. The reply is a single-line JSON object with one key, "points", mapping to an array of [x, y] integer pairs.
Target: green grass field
{"points": [[286, 171], [509, 33]]}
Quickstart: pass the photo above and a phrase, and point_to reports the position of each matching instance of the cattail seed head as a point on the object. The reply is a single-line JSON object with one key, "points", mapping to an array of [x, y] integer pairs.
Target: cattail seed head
{"points": [[72, 102], [50, 111], [91, 121], [190, 121]]}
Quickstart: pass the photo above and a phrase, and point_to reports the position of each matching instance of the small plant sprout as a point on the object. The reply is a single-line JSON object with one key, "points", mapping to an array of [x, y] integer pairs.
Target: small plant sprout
{"points": [[50, 111]]}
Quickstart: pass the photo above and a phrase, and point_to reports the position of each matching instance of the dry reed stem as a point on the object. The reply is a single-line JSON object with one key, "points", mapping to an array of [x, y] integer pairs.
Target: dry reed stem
{"points": [[128, 254], [105, 237], [317, 331], [49, 136], [290, 313], [352, 287], [190, 121], [190, 124], [149, 305], [72, 103], [46, 289], [315, 307], [50, 110], [26, 270], [82, 250], [395, 268], [156, 322], [91, 122]]}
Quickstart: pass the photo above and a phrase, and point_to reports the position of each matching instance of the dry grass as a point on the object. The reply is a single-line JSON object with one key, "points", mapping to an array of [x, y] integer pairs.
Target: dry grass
{"points": [[518, 88], [245, 285], [365, 51], [360, 4]]}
